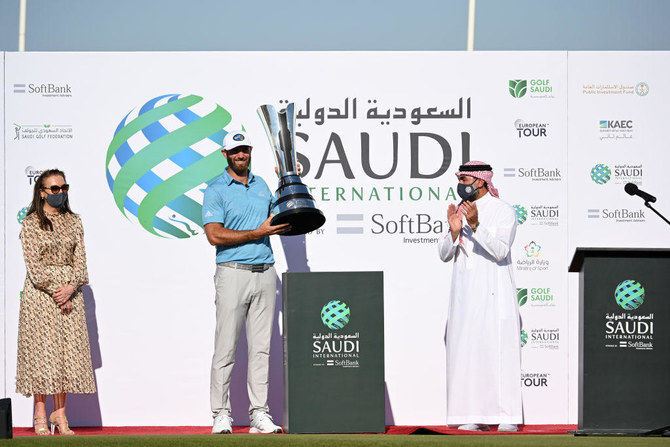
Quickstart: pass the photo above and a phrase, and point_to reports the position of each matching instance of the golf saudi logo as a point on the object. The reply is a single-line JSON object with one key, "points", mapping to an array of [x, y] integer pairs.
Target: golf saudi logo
{"points": [[335, 314], [629, 294], [601, 174], [160, 160], [518, 87]]}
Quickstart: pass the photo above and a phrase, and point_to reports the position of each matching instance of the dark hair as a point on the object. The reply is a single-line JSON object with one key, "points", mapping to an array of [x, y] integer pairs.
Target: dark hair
{"points": [[37, 205]]}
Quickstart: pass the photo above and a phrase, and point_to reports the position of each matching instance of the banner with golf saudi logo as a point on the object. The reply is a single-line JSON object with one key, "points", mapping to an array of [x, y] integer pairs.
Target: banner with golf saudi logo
{"points": [[380, 136]]}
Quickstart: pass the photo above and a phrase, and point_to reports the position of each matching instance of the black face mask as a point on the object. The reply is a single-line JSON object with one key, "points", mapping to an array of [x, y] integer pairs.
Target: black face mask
{"points": [[57, 200], [467, 192]]}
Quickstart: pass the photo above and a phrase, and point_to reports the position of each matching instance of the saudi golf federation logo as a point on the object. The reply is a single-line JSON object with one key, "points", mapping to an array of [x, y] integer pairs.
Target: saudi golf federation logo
{"points": [[517, 88], [521, 214], [601, 174], [524, 338], [335, 314], [161, 158], [629, 294]]}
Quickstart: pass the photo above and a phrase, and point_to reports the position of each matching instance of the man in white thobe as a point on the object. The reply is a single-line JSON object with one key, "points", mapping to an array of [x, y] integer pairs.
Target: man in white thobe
{"points": [[483, 330]]}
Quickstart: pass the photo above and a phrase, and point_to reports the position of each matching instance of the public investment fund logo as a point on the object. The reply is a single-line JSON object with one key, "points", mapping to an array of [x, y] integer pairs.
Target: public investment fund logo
{"points": [[518, 87], [335, 315], [629, 294], [161, 158], [601, 174], [642, 89]]}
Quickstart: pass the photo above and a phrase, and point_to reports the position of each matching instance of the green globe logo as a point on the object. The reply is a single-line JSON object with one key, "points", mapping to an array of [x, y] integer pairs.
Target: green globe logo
{"points": [[22, 214], [521, 214], [629, 294], [517, 88], [601, 174], [524, 338], [161, 158], [335, 314], [521, 296]]}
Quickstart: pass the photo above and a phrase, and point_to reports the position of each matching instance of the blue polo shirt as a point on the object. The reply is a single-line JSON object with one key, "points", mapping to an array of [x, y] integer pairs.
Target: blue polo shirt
{"points": [[239, 207]]}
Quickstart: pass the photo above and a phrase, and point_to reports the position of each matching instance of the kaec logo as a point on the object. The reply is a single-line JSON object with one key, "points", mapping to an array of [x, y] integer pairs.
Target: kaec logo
{"points": [[521, 214], [522, 296], [335, 314], [601, 174], [642, 89], [162, 156], [22, 214], [517, 88], [629, 294]]}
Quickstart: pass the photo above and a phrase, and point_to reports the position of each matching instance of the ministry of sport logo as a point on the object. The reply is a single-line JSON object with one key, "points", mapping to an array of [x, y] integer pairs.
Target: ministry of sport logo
{"points": [[163, 155], [532, 249], [531, 262], [335, 314]]}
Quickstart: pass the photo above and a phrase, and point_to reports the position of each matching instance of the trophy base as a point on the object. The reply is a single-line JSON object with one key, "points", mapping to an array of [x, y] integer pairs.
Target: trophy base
{"points": [[302, 220]]}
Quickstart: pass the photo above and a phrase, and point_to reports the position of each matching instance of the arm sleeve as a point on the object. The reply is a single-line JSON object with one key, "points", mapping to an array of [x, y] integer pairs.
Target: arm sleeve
{"points": [[498, 241], [40, 276], [79, 258], [447, 248], [213, 210]]}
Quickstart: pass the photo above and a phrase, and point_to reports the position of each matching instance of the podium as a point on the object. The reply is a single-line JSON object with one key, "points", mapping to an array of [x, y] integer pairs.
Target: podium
{"points": [[624, 340], [333, 333]]}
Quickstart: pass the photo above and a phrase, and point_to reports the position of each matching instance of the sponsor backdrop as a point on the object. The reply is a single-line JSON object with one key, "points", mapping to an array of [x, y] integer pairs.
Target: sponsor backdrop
{"points": [[380, 136]]}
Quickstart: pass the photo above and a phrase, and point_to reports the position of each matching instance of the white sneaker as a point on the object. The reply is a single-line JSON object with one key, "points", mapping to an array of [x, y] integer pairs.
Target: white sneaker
{"points": [[262, 423], [222, 425], [474, 427], [508, 427]]}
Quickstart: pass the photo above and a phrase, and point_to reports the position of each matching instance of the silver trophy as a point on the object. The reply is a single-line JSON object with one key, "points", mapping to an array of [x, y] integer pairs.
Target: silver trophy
{"points": [[295, 205]]}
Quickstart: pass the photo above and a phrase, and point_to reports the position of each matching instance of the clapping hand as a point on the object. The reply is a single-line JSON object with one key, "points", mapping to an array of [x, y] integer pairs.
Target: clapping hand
{"points": [[471, 213], [454, 217]]}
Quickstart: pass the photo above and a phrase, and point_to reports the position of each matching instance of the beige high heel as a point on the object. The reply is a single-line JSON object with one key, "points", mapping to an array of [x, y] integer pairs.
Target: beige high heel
{"points": [[43, 430], [63, 427]]}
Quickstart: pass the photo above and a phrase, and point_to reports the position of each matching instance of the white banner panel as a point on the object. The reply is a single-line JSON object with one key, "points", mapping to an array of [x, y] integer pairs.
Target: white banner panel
{"points": [[616, 136], [380, 135], [3, 326]]}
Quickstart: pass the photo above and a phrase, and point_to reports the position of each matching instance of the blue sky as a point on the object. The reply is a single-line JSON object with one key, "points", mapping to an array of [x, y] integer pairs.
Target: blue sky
{"points": [[213, 25]]}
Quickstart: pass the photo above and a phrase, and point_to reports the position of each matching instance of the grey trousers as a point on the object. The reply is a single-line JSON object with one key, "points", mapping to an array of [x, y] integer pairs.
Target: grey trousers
{"points": [[242, 296]]}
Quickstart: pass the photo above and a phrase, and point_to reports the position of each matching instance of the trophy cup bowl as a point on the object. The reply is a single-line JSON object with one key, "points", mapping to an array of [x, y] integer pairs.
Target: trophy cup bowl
{"points": [[294, 205]]}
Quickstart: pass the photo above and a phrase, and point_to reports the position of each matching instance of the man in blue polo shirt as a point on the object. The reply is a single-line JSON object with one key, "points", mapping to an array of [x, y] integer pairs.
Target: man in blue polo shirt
{"points": [[236, 216]]}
